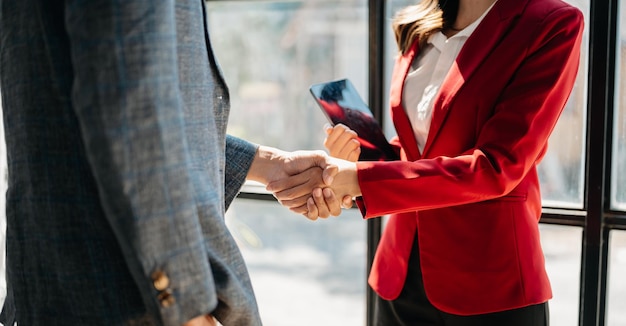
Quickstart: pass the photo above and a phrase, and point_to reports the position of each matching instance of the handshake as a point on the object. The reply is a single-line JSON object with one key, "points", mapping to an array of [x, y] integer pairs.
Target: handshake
{"points": [[310, 183]]}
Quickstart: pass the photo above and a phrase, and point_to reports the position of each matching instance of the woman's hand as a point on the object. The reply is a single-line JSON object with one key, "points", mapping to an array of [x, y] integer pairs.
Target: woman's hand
{"points": [[322, 202], [342, 143]]}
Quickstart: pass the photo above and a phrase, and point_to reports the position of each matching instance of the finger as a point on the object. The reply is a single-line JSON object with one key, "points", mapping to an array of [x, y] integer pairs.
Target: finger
{"points": [[329, 173], [328, 128], [302, 160], [345, 144], [332, 202], [297, 202], [312, 213], [349, 148], [303, 210], [297, 185], [354, 156], [341, 143], [335, 134], [293, 196], [346, 202], [322, 209]]}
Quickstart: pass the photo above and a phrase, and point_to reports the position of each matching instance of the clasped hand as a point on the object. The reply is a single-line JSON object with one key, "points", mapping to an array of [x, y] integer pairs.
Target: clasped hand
{"points": [[310, 182], [314, 192]]}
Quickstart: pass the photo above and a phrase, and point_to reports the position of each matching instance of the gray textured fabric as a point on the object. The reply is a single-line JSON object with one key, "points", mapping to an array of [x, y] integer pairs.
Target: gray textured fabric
{"points": [[115, 115]]}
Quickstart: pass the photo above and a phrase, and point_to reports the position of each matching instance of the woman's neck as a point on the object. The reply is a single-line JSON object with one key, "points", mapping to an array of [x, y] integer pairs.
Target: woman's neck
{"points": [[469, 12]]}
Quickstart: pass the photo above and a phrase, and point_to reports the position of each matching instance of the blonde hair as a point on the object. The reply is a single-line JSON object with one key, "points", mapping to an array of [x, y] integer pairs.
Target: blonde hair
{"points": [[420, 21]]}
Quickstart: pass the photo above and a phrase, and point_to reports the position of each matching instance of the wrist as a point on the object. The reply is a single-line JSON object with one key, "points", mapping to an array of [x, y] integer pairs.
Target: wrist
{"points": [[264, 162], [347, 180]]}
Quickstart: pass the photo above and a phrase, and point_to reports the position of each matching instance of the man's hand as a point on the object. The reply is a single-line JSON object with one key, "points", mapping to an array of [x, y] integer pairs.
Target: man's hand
{"points": [[272, 164]]}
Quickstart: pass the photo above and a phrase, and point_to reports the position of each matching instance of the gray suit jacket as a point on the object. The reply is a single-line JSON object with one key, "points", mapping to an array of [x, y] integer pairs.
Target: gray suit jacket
{"points": [[115, 115]]}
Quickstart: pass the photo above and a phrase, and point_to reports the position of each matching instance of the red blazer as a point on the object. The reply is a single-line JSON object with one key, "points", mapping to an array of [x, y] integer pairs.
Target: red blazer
{"points": [[473, 195]]}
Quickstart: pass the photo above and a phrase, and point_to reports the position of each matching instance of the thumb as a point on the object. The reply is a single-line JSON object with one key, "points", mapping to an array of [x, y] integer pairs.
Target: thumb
{"points": [[346, 202], [329, 173]]}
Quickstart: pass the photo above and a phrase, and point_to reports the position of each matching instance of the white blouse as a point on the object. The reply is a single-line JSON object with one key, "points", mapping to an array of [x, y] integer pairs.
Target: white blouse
{"points": [[427, 73]]}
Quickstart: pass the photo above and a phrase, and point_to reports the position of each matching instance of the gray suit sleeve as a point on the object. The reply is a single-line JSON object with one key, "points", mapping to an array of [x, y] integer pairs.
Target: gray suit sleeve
{"points": [[127, 100], [239, 157]]}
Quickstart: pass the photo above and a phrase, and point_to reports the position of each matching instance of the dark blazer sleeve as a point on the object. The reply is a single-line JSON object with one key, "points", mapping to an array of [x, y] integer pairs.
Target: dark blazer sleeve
{"points": [[239, 157], [126, 97]]}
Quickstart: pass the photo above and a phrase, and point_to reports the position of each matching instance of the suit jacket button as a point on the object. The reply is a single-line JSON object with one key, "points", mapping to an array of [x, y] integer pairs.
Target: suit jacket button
{"points": [[166, 298], [160, 280]]}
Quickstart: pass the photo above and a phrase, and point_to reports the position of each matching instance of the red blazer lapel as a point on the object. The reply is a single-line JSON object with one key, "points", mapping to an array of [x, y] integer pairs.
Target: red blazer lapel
{"points": [[398, 114], [476, 49]]}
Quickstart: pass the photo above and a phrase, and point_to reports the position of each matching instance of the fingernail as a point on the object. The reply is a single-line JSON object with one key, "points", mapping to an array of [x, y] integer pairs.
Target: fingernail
{"points": [[317, 192], [327, 192]]}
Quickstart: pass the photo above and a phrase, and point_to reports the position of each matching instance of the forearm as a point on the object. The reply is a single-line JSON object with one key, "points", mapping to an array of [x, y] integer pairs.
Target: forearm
{"points": [[266, 162]]}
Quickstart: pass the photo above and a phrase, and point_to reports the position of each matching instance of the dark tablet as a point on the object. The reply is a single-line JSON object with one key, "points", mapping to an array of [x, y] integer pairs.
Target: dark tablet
{"points": [[341, 103]]}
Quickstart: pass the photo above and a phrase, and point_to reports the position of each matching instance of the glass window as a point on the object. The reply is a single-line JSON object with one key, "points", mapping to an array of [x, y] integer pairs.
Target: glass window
{"points": [[616, 285], [391, 53], [618, 198], [561, 171], [562, 251], [303, 272], [270, 52]]}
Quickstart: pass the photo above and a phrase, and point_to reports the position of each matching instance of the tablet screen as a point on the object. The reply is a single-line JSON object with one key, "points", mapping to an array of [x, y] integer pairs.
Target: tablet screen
{"points": [[341, 103]]}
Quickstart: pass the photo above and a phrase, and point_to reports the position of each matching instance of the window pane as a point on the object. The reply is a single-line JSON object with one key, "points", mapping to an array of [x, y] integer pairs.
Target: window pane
{"points": [[303, 272], [562, 250], [561, 171], [616, 314], [272, 51], [391, 52], [618, 198]]}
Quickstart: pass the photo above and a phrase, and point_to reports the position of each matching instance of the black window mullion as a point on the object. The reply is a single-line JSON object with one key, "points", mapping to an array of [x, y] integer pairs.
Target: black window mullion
{"points": [[597, 175], [376, 77]]}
